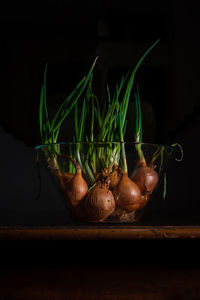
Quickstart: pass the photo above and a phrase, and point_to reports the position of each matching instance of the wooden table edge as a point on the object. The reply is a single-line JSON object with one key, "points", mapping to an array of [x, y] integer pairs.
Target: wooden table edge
{"points": [[99, 232]]}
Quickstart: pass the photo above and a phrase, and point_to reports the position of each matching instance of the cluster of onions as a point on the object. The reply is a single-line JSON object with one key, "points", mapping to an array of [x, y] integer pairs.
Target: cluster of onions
{"points": [[94, 205], [114, 194], [97, 185]]}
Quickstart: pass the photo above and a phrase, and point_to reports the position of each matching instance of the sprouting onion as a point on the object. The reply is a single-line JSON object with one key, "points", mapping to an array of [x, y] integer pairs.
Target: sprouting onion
{"points": [[145, 176], [49, 129], [103, 167]]}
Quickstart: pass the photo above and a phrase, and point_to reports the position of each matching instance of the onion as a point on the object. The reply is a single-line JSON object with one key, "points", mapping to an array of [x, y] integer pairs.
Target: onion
{"points": [[145, 177], [118, 214], [145, 199], [64, 179], [99, 203], [127, 194], [76, 188], [123, 216], [115, 177], [73, 186]]}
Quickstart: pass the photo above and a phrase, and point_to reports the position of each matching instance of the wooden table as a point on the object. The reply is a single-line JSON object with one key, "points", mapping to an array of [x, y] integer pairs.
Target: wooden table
{"points": [[100, 232], [100, 262]]}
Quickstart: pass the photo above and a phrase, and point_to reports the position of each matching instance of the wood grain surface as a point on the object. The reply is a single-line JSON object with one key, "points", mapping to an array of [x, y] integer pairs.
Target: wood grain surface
{"points": [[117, 232], [57, 263]]}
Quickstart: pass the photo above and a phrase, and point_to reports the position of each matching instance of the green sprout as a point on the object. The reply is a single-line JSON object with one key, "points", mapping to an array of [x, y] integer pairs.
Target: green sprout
{"points": [[108, 123], [49, 130]]}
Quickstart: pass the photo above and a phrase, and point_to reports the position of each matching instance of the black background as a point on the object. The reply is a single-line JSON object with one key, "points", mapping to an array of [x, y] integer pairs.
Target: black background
{"points": [[68, 35]]}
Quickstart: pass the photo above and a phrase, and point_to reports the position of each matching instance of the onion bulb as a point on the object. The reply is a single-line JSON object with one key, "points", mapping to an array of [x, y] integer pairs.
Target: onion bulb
{"points": [[73, 186], [127, 194], [145, 177], [76, 188], [64, 179], [115, 177], [145, 199], [99, 203]]}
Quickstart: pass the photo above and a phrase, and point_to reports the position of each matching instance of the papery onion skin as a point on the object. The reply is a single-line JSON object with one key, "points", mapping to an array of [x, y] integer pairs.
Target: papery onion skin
{"points": [[146, 178], [76, 188], [99, 203], [145, 199], [64, 179], [117, 214], [115, 177], [127, 217], [127, 194]]}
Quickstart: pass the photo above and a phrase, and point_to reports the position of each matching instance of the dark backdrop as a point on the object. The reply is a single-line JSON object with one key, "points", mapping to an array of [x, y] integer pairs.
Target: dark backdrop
{"points": [[68, 35]]}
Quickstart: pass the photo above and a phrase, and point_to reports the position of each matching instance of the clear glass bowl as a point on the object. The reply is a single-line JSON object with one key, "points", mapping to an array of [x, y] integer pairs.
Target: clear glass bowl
{"points": [[106, 182]]}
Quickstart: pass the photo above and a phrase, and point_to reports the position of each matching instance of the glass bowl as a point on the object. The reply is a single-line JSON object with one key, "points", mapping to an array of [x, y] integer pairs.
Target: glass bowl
{"points": [[106, 182]]}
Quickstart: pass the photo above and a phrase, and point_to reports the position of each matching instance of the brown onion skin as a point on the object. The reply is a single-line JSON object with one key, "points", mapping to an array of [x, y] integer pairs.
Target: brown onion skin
{"points": [[76, 189], [64, 179], [123, 216], [127, 194], [118, 214], [145, 199], [115, 178], [146, 178], [99, 203]]}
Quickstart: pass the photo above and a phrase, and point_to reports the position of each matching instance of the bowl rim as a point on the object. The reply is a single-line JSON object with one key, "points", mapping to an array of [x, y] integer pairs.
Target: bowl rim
{"points": [[41, 146]]}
